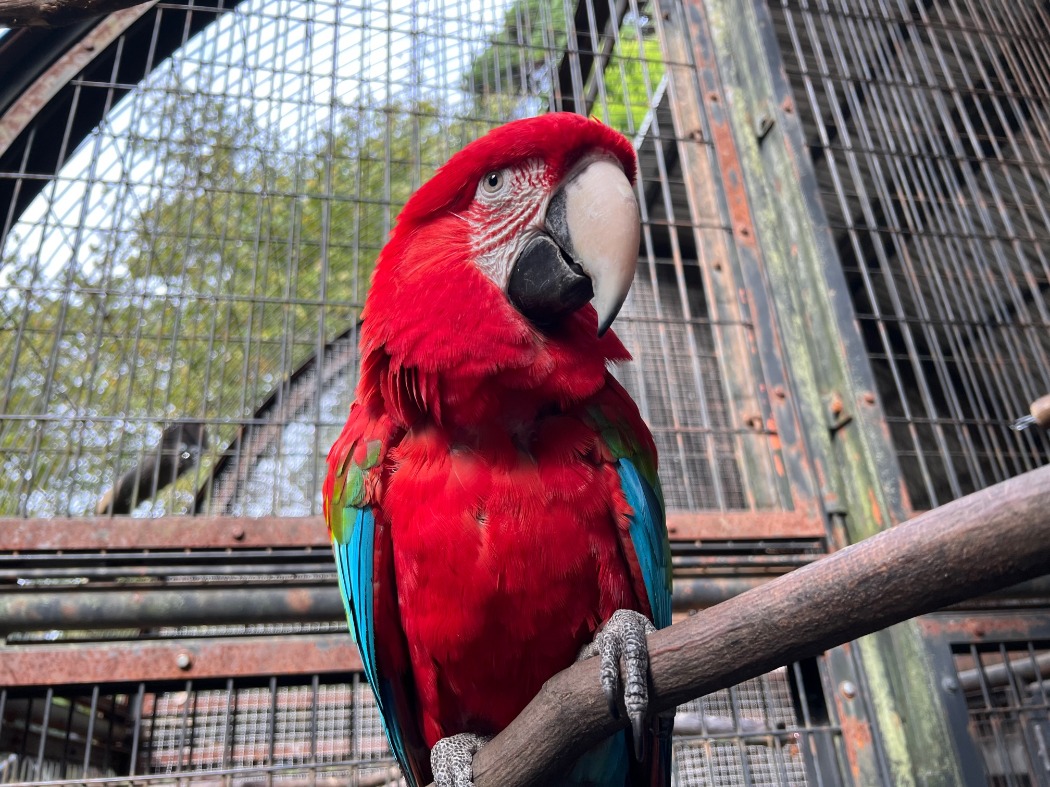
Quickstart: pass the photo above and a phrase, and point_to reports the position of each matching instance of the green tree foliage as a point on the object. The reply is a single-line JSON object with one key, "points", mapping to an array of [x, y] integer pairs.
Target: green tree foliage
{"points": [[243, 260], [244, 245], [525, 55]]}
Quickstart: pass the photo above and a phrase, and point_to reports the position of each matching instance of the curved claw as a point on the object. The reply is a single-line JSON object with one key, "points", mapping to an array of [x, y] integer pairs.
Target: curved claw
{"points": [[452, 757], [623, 635]]}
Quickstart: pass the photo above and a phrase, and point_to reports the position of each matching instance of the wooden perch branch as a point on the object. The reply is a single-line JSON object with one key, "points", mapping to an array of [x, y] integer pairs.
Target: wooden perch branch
{"points": [[56, 13], [972, 546]]}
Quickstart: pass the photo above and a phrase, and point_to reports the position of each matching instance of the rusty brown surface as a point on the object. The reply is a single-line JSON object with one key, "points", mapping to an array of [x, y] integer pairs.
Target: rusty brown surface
{"points": [[226, 532], [120, 662], [720, 127], [734, 525], [849, 710], [36, 97], [976, 626], [173, 532]]}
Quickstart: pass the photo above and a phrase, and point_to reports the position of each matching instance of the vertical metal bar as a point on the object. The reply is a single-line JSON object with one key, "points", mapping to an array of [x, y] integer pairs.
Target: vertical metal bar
{"points": [[315, 689], [136, 721], [230, 736], [184, 727], [807, 732], [1022, 715], [992, 716], [738, 739], [45, 731], [89, 736], [272, 727]]}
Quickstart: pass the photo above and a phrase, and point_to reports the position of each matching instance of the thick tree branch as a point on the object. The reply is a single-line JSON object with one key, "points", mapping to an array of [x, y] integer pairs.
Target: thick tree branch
{"points": [[56, 13], [975, 545]]}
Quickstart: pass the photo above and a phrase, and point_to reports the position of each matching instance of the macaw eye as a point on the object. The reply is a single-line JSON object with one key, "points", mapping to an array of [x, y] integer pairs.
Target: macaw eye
{"points": [[493, 182]]}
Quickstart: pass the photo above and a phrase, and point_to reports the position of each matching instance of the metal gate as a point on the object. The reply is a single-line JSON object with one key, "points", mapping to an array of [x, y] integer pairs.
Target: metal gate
{"points": [[842, 232]]}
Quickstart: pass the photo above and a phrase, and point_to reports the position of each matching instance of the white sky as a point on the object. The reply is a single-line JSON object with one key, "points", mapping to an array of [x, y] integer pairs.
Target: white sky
{"points": [[293, 60]]}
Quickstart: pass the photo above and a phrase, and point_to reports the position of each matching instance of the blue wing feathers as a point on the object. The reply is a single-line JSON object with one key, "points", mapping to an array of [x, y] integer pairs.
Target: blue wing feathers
{"points": [[354, 565], [649, 537]]}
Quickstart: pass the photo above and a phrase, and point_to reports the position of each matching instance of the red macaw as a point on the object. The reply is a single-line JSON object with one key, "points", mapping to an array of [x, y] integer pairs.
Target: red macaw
{"points": [[493, 500]]}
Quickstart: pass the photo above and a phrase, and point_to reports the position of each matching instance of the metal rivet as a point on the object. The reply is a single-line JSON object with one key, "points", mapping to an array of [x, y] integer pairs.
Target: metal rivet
{"points": [[183, 661], [869, 397], [238, 534], [950, 684], [848, 689], [779, 392]]}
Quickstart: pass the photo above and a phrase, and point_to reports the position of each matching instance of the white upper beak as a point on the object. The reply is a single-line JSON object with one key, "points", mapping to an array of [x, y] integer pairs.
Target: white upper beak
{"points": [[601, 216]]}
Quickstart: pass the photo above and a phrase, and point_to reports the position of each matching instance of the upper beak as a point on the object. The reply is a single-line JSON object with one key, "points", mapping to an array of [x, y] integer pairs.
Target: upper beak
{"points": [[594, 219], [589, 250]]}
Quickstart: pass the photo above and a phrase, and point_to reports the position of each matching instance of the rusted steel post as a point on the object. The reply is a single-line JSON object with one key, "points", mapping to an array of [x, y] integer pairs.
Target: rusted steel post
{"points": [[977, 544]]}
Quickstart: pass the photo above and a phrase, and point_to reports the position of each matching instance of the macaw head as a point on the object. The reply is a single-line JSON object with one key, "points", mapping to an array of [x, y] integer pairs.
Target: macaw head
{"points": [[516, 256]]}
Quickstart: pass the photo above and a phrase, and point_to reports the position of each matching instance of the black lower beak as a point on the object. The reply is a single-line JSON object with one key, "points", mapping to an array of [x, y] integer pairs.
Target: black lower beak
{"points": [[545, 285]]}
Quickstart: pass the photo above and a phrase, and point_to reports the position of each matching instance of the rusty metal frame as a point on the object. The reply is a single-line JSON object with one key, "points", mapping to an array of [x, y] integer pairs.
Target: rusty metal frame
{"points": [[169, 532], [28, 143], [941, 632], [237, 532], [731, 269], [197, 659]]}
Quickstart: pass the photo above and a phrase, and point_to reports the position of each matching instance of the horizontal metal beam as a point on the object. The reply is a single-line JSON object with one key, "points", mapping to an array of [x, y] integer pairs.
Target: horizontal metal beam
{"points": [[74, 608], [197, 659], [1026, 668], [170, 532], [79, 609], [742, 526], [235, 532]]}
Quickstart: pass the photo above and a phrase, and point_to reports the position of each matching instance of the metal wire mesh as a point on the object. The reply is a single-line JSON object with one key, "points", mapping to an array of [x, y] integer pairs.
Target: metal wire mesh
{"points": [[928, 126], [235, 733], [328, 728], [751, 735], [1007, 686], [216, 232]]}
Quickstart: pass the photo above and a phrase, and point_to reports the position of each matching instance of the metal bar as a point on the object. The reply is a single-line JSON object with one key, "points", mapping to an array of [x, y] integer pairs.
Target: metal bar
{"points": [[994, 675], [130, 662], [78, 609], [62, 609], [89, 736], [136, 728], [743, 525], [180, 532], [173, 532]]}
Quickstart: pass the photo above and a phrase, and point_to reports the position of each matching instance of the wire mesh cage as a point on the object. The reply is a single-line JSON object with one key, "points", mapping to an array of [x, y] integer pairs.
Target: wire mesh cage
{"points": [[190, 216], [197, 264], [927, 125], [1007, 686], [327, 729]]}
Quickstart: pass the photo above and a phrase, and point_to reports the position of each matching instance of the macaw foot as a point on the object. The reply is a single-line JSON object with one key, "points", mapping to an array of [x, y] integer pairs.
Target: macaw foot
{"points": [[451, 759], [623, 635]]}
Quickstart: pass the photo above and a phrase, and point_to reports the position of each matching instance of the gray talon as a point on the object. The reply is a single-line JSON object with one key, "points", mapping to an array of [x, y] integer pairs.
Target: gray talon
{"points": [[623, 635], [452, 757]]}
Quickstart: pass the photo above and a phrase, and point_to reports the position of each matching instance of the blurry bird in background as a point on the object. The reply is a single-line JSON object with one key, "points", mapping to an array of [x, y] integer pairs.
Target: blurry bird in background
{"points": [[180, 448]]}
